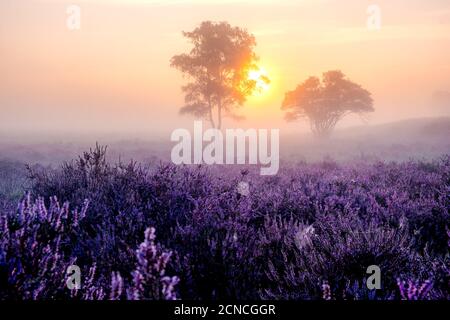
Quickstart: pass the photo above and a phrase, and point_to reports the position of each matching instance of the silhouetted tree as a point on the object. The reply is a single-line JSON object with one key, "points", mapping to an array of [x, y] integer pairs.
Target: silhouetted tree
{"points": [[217, 68], [324, 102]]}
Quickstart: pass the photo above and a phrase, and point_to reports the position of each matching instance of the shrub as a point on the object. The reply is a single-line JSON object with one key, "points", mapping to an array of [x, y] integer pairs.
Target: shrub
{"points": [[36, 247], [308, 233], [149, 279]]}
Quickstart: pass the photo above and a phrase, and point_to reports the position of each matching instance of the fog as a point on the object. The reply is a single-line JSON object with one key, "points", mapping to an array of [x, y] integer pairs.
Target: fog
{"points": [[110, 80]]}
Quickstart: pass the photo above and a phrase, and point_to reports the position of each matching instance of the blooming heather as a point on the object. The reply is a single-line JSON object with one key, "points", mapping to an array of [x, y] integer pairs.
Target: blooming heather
{"points": [[310, 232]]}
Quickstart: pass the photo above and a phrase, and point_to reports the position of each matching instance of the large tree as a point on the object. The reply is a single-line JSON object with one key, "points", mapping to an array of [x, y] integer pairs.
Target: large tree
{"points": [[324, 102], [217, 68]]}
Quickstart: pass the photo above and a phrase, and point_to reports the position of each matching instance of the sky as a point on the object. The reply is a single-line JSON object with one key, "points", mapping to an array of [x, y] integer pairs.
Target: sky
{"points": [[113, 73]]}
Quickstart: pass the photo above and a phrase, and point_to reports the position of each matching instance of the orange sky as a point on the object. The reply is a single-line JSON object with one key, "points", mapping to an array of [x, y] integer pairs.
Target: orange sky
{"points": [[114, 75]]}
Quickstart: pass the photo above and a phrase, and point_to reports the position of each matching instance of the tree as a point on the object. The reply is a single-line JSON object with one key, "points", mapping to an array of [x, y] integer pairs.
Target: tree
{"points": [[326, 102], [217, 68]]}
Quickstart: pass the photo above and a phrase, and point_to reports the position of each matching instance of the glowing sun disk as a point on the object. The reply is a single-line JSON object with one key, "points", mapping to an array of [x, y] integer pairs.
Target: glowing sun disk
{"points": [[261, 79]]}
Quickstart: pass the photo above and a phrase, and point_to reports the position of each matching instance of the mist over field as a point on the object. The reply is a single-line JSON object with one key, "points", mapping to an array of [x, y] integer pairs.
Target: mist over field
{"points": [[420, 139]]}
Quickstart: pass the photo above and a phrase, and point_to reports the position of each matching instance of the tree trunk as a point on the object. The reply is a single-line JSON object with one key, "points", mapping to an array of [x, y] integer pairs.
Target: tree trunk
{"points": [[211, 118], [219, 116]]}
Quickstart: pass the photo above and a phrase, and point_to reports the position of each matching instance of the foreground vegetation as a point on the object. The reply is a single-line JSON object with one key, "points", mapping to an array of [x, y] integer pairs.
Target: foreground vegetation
{"points": [[201, 232]]}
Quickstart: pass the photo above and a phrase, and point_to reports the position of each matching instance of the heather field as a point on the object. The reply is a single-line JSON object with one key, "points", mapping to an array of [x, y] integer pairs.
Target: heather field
{"points": [[163, 231], [228, 158]]}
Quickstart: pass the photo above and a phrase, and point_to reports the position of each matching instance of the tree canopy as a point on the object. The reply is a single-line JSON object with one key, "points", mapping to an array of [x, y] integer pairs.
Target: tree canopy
{"points": [[217, 68], [326, 101]]}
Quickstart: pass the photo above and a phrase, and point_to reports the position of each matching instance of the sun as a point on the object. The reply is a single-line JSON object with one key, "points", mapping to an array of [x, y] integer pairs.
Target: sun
{"points": [[261, 79]]}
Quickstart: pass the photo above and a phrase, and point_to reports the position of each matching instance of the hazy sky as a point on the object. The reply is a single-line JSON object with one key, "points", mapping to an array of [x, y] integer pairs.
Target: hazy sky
{"points": [[114, 75]]}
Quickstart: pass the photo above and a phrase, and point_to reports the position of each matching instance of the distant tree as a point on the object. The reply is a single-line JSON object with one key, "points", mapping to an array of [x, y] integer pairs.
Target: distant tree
{"points": [[325, 102], [217, 68]]}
